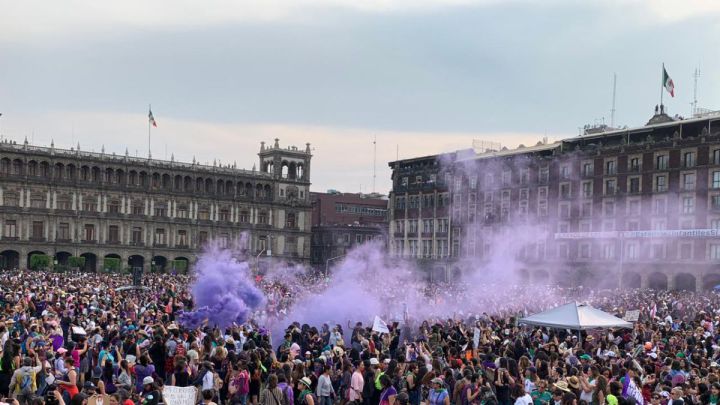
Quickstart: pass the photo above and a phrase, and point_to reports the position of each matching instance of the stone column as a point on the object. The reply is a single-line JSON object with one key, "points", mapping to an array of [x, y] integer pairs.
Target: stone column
{"points": [[671, 281]]}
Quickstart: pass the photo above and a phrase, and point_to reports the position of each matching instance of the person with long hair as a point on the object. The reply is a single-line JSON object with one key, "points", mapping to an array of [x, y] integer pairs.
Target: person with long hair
{"points": [[521, 397], [600, 392], [124, 379], [9, 362]]}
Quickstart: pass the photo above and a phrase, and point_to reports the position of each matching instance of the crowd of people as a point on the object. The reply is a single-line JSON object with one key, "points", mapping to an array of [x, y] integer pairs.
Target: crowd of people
{"points": [[86, 339]]}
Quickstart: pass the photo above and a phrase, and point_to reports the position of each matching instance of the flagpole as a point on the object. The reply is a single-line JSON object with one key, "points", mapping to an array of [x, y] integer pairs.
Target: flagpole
{"points": [[149, 129], [662, 83]]}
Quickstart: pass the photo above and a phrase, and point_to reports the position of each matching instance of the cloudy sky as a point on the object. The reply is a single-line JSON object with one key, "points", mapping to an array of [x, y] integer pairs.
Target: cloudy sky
{"points": [[423, 76]]}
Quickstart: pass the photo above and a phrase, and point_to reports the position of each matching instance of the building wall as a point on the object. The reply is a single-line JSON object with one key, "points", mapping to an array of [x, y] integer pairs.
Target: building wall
{"points": [[659, 177], [348, 208], [342, 221], [70, 202]]}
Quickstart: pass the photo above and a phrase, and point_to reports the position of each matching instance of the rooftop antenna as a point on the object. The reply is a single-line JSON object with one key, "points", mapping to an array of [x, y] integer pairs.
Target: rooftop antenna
{"points": [[696, 77], [374, 162], [612, 110]]}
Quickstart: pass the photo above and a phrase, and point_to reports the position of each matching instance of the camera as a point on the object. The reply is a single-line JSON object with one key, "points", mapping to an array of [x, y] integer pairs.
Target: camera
{"points": [[50, 395]]}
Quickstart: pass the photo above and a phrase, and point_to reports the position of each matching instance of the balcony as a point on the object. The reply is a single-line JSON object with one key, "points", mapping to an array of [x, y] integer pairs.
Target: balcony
{"points": [[36, 239], [160, 245], [182, 246], [63, 240], [136, 243], [10, 238], [88, 242]]}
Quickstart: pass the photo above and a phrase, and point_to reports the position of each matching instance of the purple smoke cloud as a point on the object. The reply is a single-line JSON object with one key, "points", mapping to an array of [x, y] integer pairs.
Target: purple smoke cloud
{"points": [[223, 289]]}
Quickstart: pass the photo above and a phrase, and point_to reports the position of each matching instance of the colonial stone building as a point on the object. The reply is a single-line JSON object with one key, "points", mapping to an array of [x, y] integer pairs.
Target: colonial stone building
{"points": [[148, 212], [638, 207]]}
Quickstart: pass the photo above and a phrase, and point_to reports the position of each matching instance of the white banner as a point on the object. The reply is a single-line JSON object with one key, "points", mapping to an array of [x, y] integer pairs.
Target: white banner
{"points": [[673, 233], [179, 395], [632, 315], [476, 338], [380, 326]]}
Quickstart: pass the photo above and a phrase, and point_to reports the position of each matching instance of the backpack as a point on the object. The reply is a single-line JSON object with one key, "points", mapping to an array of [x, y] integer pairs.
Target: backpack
{"points": [[26, 382], [180, 349]]}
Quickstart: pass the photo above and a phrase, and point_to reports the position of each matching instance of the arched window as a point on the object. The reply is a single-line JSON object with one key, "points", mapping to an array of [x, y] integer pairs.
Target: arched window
{"points": [[285, 170], [18, 167], [5, 166]]}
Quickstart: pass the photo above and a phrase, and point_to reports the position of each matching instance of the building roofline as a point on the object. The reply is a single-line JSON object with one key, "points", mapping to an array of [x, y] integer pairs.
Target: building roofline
{"points": [[643, 128], [127, 159], [512, 152]]}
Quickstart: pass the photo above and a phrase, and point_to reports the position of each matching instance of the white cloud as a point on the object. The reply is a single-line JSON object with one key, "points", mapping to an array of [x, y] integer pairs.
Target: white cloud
{"points": [[342, 157], [32, 19], [41, 18]]}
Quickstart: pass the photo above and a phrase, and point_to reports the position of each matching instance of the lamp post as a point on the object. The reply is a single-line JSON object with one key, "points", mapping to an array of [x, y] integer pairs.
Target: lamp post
{"points": [[257, 261], [327, 263]]}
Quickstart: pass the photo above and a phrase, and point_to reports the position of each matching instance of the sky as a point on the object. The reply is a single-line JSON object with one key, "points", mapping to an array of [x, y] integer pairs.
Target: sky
{"points": [[420, 76]]}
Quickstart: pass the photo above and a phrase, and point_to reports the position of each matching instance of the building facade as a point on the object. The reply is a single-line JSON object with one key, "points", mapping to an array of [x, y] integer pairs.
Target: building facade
{"points": [[149, 213], [633, 207], [341, 221]]}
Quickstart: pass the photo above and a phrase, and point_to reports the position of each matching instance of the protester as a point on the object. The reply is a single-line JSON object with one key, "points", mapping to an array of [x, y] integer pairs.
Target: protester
{"points": [[72, 331]]}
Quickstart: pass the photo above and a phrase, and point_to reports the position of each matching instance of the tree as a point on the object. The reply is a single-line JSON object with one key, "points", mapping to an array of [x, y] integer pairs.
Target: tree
{"points": [[179, 265], [111, 264], [39, 261], [76, 262]]}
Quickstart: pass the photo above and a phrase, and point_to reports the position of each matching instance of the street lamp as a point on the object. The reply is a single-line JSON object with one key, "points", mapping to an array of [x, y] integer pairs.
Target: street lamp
{"points": [[327, 263], [257, 261]]}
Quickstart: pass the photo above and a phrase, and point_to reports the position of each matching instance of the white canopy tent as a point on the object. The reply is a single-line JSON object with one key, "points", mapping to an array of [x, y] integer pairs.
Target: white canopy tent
{"points": [[575, 316]]}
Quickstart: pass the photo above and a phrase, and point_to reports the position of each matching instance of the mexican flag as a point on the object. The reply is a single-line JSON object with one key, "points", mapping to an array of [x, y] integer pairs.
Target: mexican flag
{"points": [[152, 119], [668, 83]]}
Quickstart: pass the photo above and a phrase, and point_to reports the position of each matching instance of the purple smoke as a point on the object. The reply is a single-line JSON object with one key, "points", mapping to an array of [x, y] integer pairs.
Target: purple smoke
{"points": [[223, 290]]}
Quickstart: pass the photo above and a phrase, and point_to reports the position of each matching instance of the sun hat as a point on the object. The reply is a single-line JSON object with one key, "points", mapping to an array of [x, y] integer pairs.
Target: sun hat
{"points": [[562, 385], [574, 382], [437, 381], [148, 380], [374, 361], [306, 381]]}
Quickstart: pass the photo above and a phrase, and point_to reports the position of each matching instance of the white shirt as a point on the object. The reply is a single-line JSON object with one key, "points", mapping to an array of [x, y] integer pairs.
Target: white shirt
{"points": [[524, 400], [208, 382], [587, 396]]}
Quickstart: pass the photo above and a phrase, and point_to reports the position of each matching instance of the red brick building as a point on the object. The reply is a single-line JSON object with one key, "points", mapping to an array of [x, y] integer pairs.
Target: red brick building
{"points": [[343, 220]]}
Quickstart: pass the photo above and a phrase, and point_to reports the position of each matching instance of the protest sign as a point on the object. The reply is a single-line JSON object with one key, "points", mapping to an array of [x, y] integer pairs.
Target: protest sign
{"points": [[179, 395]]}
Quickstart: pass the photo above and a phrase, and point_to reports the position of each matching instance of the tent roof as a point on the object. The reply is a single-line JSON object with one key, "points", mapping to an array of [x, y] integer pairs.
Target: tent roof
{"points": [[577, 317]]}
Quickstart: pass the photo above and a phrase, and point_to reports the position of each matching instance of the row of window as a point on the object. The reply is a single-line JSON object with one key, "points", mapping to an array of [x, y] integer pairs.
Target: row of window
{"points": [[634, 185], [633, 251], [137, 207], [160, 236], [426, 201], [87, 233], [441, 225], [424, 248], [659, 206], [586, 209], [360, 210], [133, 178]]}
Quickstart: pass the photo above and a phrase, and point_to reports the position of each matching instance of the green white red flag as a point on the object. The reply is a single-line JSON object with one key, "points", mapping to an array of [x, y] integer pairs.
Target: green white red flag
{"points": [[151, 118], [668, 83]]}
